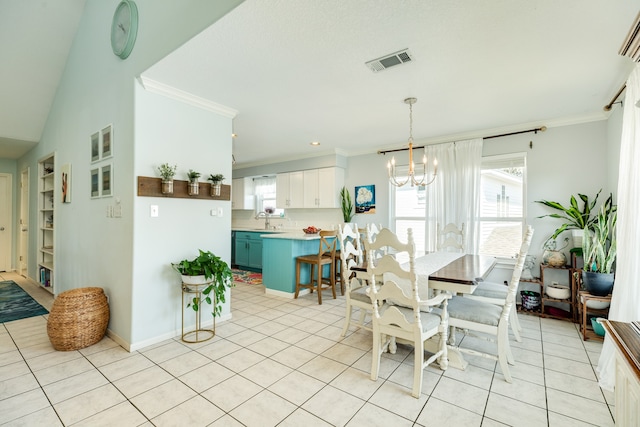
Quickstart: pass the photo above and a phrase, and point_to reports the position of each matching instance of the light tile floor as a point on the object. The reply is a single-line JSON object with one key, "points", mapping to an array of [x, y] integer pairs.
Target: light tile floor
{"points": [[282, 362]]}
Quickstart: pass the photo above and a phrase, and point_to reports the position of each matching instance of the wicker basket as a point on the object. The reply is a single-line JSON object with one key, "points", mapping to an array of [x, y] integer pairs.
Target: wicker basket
{"points": [[78, 318]]}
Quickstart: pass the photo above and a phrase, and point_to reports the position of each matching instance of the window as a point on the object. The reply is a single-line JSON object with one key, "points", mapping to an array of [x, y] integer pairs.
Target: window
{"points": [[502, 206], [501, 216], [265, 189], [409, 212]]}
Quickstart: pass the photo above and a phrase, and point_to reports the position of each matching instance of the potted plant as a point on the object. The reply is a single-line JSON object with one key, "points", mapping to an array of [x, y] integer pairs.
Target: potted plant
{"points": [[599, 249], [210, 269], [216, 183], [167, 173], [576, 219], [193, 187], [346, 204]]}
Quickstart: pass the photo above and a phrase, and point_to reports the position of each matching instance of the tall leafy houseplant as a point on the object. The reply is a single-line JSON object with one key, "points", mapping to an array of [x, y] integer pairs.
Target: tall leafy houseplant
{"points": [[574, 217], [346, 205], [600, 249], [215, 270]]}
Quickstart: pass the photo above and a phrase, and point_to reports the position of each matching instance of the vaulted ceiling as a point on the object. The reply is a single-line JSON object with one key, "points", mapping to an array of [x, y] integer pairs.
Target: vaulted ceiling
{"points": [[295, 69]]}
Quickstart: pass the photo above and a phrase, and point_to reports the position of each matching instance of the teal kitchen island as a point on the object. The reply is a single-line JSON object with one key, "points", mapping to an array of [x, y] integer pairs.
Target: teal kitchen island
{"points": [[279, 252]]}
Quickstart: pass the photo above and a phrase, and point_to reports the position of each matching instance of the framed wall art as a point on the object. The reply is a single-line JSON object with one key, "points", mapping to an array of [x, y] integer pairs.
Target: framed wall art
{"points": [[106, 136], [366, 199], [95, 183], [106, 180], [66, 183], [95, 147]]}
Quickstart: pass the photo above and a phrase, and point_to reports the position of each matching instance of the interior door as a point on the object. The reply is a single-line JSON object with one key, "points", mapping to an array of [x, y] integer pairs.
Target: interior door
{"points": [[23, 260], [5, 222]]}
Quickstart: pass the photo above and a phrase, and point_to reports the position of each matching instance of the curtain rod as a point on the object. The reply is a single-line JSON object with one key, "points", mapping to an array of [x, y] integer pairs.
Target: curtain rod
{"points": [[536, 130], [613, 100]]}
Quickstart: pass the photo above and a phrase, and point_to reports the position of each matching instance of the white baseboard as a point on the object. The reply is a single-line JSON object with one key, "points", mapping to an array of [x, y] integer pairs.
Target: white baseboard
{"points": [[131, 347]]}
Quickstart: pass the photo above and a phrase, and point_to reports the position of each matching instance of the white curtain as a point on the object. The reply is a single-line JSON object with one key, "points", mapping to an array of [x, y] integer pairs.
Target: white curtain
{"points": [[625, 303], [455, 194]]}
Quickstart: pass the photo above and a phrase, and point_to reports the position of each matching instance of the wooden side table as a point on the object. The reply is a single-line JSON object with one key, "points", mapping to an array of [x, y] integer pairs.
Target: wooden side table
{"points": [[199, 334], [583, 297]]}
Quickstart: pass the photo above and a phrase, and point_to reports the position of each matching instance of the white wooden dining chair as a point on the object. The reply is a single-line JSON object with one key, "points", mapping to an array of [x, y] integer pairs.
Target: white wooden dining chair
{"points": [[355, 293], [473, 315], [399, 316], [496, 293], [451, 238]]}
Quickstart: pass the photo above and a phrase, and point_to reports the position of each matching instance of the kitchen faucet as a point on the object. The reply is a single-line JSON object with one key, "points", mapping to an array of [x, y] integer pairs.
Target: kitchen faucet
{"points": [[266, 219]]}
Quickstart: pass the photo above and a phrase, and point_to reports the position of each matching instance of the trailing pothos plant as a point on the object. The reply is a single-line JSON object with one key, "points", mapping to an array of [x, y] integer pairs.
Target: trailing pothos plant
{"points": [[213, 268]]}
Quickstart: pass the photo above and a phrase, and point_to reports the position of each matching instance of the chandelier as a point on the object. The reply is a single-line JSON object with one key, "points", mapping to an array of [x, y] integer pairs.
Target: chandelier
{"points": [[411, 177]]}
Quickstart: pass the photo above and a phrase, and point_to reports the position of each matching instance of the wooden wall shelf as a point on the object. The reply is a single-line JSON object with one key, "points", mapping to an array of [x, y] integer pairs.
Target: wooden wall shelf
{"points": [[151, 187]]}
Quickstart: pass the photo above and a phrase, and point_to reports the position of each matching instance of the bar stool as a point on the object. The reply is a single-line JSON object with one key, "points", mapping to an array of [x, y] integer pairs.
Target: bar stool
{"points": [[326, 256]]}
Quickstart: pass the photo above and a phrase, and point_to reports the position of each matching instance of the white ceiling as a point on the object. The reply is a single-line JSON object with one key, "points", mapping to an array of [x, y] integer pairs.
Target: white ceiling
{"points": [[294, 70]]}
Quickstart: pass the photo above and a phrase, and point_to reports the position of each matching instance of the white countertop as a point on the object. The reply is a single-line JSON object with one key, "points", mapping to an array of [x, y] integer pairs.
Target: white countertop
{"points": [[296, 235]]}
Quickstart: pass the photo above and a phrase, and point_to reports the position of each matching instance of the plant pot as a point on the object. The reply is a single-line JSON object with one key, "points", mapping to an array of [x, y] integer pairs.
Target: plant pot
{"points": [[193, 189], [598, 284], [215, 189], [167, 186], [554, 258], [577, 236], [194, 280]]}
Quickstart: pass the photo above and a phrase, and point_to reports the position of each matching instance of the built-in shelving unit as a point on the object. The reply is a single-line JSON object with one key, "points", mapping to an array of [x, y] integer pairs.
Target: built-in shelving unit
{"points": [[46, 221]]}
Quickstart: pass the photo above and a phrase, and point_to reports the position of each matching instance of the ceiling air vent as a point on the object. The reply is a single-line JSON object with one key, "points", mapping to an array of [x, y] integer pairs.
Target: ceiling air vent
{"points": [[388, 61]]}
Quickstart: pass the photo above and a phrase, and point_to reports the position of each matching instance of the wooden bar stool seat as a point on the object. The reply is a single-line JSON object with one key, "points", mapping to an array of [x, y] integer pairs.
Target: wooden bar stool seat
{"points": [[326, 256]]}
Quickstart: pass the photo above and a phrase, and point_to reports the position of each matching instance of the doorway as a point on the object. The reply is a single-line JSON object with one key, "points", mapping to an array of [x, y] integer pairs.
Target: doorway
{"points": [[23, 260], [5, 222]]}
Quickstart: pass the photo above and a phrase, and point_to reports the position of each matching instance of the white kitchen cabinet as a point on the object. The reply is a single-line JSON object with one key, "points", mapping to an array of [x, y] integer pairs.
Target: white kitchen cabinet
{"points": [[242, 196], [290, 190], [322, 187]]}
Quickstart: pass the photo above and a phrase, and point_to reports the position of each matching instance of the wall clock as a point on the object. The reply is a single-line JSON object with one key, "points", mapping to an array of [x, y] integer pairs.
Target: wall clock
{"points": [[124, 28]]}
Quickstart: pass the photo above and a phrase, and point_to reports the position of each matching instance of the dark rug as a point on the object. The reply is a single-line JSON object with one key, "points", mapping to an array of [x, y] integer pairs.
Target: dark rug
{"points": [[16, 304]]}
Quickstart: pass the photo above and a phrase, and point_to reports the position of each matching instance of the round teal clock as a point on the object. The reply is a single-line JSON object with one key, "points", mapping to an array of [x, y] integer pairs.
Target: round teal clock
{"points": [[124, 28]]}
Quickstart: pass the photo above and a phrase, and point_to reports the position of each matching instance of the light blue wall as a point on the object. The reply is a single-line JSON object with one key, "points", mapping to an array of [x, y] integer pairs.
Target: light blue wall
{"points": [[183, 226], [96, 89]]}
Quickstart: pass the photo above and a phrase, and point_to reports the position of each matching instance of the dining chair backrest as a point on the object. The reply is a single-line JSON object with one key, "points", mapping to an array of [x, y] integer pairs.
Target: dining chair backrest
{"points": [[371, 233], [382, 263], [517, 272], [350, 250], [327, 245], [386, 246], [451, 238]]}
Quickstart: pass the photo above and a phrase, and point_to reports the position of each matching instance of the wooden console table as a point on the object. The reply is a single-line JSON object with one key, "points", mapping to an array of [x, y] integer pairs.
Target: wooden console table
{"points": [[626, 337]]}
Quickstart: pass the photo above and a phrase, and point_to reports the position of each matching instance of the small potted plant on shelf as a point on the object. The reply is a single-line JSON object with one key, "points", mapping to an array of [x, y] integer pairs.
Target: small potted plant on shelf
{"points": [[206, 269], [346, 205], [216, 183], [167, 172], [599, 249], [194, 186]]}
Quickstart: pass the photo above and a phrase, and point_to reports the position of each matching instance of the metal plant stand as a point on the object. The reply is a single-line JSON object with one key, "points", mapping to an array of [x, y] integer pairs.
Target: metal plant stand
{"points": [[199, 334]]}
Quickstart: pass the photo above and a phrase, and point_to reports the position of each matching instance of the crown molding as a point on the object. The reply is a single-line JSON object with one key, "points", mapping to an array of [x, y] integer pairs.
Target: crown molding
{"points": [[154, 86]]}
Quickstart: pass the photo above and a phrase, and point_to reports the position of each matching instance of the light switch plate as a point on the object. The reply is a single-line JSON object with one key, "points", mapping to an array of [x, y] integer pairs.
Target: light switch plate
{"points": [[154, 211]]}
